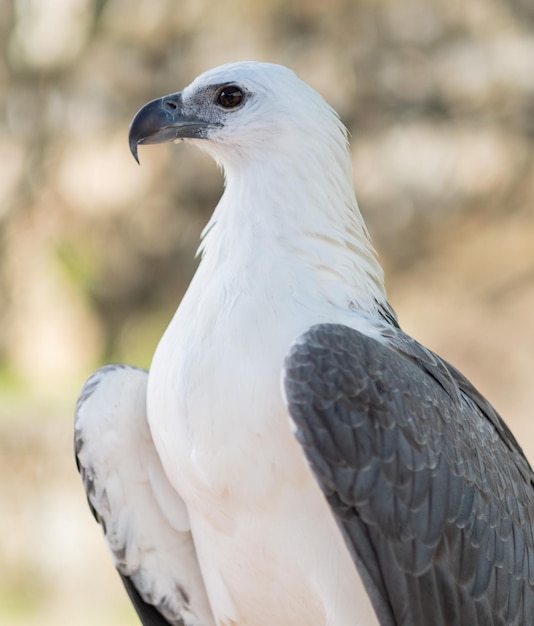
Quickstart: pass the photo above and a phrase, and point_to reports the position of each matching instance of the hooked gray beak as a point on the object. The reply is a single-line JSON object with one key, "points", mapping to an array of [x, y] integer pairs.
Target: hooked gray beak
{"points": [[163, 120]]}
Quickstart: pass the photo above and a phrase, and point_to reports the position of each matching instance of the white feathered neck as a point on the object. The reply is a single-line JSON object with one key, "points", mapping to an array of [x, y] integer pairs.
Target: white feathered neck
{"points": [[289, 196]]}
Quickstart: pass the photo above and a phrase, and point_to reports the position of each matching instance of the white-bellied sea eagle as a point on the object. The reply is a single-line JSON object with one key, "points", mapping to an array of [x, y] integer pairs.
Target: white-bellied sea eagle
{"points": [[293, 458]]}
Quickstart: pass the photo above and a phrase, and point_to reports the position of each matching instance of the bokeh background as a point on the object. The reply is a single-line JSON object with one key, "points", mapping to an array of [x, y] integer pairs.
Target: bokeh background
{"points": [[95, 251]]}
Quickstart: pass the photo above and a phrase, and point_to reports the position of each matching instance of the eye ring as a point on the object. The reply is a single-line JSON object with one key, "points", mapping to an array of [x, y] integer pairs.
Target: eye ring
{"points": [[230, 96]]}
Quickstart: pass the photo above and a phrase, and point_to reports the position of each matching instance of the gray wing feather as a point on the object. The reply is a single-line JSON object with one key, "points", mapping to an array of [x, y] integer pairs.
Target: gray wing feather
{"points": [[145, 522], [432, 492], [148, 613]]}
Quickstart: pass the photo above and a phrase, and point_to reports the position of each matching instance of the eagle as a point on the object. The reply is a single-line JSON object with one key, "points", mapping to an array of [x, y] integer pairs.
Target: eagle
{"points": [[292, 457]]}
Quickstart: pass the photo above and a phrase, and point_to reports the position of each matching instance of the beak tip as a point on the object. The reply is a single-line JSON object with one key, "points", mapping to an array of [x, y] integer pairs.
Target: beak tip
{"points": [[134, 151]]}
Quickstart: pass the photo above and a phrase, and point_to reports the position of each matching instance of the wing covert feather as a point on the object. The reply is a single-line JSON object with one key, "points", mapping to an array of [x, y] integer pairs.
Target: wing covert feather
{"points": [[430, 489]]}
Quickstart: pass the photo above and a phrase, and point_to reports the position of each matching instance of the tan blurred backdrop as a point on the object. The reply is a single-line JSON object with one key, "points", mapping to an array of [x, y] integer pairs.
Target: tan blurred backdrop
{"points": [[95, 252]]}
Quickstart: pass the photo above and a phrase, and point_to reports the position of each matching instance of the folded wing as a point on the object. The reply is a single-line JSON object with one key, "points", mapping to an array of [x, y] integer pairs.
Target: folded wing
{"points": [[145, 522], [430, 489]]}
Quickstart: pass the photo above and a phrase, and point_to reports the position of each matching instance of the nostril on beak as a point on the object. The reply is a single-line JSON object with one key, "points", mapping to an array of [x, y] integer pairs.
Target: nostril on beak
{"points": [[173, 103]]}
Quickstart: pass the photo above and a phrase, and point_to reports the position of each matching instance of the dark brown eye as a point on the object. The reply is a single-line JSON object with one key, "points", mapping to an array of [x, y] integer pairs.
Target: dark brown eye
{"points": [[230, 96]]}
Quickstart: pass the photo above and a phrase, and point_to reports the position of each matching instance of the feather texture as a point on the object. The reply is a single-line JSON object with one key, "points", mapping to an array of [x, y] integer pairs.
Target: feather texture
{"points": [[145, 522], [437, 504]]}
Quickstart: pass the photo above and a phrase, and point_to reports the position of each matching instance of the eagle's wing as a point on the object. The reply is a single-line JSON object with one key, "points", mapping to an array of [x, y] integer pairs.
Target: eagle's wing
{"points": [[430, 489], [145, 522]]}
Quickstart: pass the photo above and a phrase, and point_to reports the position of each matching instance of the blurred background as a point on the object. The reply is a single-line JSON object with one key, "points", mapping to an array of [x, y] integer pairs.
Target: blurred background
{"points": [[96, 252]]}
